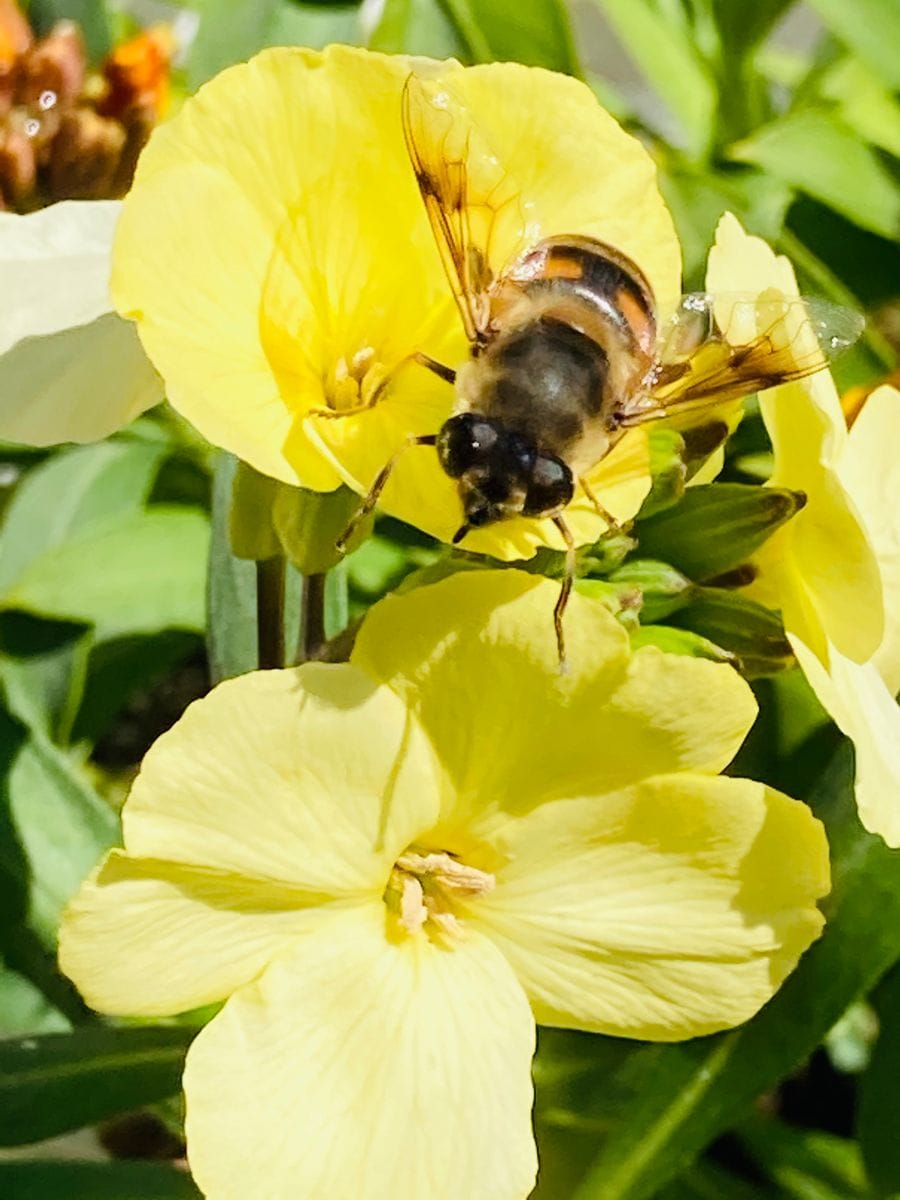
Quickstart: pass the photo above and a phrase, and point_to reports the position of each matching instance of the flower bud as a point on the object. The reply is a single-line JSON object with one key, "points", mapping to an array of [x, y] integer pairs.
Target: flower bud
{"points": [[84, 156], [747, 630], [663, 590], [53, 73], [716, 527]]}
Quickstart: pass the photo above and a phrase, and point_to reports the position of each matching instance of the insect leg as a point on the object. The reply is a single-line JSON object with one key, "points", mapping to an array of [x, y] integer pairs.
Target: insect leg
{"points": [[565, 590], [371, 499], [607, 516], [425, 360]]}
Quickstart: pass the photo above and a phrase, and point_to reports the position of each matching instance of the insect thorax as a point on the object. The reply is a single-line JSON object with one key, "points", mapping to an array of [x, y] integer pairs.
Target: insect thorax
{"points": [[547, 381]]}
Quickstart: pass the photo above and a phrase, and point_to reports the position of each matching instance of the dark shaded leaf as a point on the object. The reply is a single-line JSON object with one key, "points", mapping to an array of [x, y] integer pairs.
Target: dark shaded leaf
{"points": [[64, 1081], [877, 1119], [94, 1181]]}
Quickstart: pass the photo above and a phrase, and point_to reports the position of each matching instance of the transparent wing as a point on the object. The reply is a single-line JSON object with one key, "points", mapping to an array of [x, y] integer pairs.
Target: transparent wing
{"points": [[721, 347], [465, 192]]}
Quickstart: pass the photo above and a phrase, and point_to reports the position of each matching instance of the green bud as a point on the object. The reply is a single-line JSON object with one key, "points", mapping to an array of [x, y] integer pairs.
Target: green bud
{"points": [[663, 589], [667, 470], [678, 641], [622, 600], [250, 528], [717, 526], [308, 525], [747, 630]]}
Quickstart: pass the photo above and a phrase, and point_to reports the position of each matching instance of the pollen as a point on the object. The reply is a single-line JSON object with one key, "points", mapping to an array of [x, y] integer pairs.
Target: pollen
{"points": [[425, 889], [355, 383]]}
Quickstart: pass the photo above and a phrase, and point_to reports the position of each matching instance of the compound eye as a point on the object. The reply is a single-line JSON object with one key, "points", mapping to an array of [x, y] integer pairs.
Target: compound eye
{"points": [[550, 488], [464, 441]]}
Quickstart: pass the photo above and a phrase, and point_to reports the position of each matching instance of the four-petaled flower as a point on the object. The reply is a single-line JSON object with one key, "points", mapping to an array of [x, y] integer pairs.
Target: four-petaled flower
{"points": [[390, 869], [834, 570], [282, 200]]}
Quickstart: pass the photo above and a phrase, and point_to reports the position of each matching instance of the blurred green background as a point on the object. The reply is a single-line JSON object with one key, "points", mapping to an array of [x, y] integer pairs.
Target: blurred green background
{"points": [[110, 623]]}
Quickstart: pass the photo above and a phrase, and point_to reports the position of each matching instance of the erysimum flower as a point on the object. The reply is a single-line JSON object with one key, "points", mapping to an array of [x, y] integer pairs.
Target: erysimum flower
{"points": [[293, 270], [391, 868], [70, 368], [834, 570]]}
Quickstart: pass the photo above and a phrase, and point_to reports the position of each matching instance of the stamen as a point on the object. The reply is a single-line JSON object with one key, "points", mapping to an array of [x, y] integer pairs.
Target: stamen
{"points": [[425, 886]]}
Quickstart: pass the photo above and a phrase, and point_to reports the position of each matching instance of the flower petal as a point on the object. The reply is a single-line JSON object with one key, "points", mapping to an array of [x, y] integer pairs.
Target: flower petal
{"points": [[826, 542], [856, 697], [486, 638], [150, 938], [56, 324], [252, 196], [313, 777], [359, 1067], [870, 471], [297, 277], [672, 909]]}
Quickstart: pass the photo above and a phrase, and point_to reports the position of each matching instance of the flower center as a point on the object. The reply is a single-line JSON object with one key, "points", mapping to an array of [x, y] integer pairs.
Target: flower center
{"points": [[355, 384], [425, 888]]}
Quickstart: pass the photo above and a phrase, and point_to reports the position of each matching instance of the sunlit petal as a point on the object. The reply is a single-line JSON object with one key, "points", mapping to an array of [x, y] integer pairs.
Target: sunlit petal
{"points": [[357, 1067]]}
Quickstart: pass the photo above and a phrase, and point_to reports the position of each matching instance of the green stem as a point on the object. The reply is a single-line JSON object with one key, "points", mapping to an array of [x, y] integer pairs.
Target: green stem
{"points": [[270, 612], [312, 618]]}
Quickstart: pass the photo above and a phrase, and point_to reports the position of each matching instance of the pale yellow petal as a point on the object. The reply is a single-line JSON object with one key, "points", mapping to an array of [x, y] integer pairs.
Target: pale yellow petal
{"points": [[855, 696], [827, 542], [57, 328], [228, 193], [357, 1069], [144, 937], [669, 910], [486, 638], [577, 171], [312, 777], [870, 471]]}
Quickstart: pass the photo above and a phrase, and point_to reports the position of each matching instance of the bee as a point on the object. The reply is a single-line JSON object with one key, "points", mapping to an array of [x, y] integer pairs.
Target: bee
{"points": [[565, 349]]}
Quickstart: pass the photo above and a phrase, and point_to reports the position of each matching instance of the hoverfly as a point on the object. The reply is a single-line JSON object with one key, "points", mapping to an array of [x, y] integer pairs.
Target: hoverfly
{"points": [[565, 353]]}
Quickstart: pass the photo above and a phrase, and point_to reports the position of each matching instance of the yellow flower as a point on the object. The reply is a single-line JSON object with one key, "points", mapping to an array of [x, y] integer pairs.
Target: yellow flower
{"points": [[834, 570], [71, 370], [293, 270], [391, 868]]}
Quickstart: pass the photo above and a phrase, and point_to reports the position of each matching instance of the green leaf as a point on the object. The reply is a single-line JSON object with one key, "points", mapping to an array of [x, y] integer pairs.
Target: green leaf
{"points": [[136, 573], [871, 28], [64, 1081], [742, 515], [702, 1087], [819, 154], [53, 828], [534, 32], [230, 32], [90, 15], [877, 1110], [672, 64], [70, 492], [805, 1164], [416, 27], [866, 105], [94, 1181], [23, 1007], [43, 667], [231, 644]]}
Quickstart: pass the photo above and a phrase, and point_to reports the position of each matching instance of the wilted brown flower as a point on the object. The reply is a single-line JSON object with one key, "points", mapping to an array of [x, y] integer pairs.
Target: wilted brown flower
{"points": [[67, 132]]}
